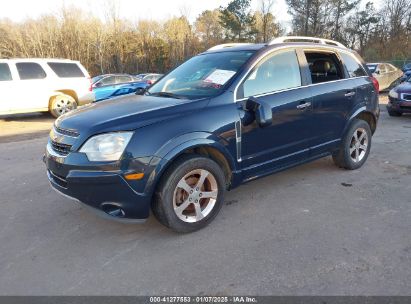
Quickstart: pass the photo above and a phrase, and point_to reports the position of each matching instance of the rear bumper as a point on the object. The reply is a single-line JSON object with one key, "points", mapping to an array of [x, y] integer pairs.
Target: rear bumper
{"points": [[107, 192], [398, 105], [86, 98]]}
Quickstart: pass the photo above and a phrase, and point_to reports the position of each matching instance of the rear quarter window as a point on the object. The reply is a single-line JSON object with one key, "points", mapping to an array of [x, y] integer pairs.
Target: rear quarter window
{"points": [[30, 70], [66, 70], [5, 74], [354, 68]]}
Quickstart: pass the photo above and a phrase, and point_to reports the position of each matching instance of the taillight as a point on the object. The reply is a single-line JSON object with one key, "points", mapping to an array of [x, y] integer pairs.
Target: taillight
{"points": [[376, 84], [91, 85]]}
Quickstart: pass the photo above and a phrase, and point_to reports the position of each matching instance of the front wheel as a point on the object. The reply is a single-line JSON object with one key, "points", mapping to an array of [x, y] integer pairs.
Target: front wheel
{"points": [[62, 104], [355, 146], [190, 194]]}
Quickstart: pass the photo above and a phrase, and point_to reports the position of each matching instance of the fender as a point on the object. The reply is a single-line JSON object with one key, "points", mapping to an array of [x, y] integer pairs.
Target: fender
{"points": [[361, 108], [171, 150]]}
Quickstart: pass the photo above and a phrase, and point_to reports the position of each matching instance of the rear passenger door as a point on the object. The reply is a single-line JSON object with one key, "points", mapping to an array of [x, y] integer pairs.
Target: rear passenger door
{"points": [[275, 80], [33, 90], [333, 93]]}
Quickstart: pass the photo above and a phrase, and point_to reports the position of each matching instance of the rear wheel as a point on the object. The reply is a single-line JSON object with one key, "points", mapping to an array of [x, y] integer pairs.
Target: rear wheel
{"points": [[355, 146], [62, 104], [190, 194]]}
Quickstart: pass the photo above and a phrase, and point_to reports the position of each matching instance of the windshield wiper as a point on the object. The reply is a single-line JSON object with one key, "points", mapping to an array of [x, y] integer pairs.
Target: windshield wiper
{"points": [[167, 94]]}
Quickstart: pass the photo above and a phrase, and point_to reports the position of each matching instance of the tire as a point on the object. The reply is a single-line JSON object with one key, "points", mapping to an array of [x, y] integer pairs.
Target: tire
{"points": [[355, 147], [61, 104], [394, 113], [177, 188]]}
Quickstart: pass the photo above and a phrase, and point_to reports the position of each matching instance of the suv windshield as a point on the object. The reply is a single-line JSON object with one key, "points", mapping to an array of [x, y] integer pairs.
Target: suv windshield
{"points": [[202, 76]]}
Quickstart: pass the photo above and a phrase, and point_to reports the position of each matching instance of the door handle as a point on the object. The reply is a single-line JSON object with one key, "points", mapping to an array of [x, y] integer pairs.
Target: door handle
{"points": [[304, 105], [349, 94]]}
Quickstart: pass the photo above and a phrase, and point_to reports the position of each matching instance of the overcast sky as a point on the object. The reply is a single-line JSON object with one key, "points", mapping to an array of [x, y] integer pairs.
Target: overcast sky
{"points": [[133, 10], [18, 10]]}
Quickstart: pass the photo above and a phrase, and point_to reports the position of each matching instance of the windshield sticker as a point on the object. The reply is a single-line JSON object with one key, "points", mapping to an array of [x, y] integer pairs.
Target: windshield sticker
{"points": [[219, 76]]}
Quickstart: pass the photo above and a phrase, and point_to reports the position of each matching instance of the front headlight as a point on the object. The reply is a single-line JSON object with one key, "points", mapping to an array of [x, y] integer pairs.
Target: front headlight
{"points": [[393, 94], [106, 147]]}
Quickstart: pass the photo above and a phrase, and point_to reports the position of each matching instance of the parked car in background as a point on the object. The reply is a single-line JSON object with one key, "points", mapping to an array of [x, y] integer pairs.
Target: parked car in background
{"points": [[407, 71], [146, 82], [224, 117], [105, 86], [406, 67], [41, 85], [385, 73], [399, 99]]}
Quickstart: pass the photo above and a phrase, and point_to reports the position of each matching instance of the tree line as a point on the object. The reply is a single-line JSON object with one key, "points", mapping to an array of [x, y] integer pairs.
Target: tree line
{"points": [[118, 45]]}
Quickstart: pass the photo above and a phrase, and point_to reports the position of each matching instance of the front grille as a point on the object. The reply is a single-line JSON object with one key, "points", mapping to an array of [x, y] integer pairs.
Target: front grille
{"points": [[406, 97], [68, 132], [61, 149]]}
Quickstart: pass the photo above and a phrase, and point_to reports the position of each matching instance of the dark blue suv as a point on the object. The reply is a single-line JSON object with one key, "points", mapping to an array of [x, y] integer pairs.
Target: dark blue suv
{"points": [[225, 117]]}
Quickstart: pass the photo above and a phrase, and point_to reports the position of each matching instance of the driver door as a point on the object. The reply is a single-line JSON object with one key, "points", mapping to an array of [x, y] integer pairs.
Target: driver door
{"points": [[276, 81]]}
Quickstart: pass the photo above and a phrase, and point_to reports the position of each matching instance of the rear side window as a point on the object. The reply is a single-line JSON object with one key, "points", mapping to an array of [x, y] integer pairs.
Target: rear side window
{"points": [[324, 66], [123, 79], [107, 81], [277, 72], [66, 70], [354, 69], [5, 74], [30, 70]]}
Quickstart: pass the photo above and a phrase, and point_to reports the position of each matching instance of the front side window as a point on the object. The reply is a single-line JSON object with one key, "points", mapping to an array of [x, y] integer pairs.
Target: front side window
{"points": [[66, 70], [30, 70], [5, 74], [277, 72], [201, 76], [123, 79], [107, 81]]}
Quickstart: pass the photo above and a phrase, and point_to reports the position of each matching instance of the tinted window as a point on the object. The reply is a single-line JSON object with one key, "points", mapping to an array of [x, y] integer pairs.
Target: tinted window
{"points": [[354, 69], [324, 66], [122, 79], [5, 73], [66, 70], [278, 72], [30, 70]]}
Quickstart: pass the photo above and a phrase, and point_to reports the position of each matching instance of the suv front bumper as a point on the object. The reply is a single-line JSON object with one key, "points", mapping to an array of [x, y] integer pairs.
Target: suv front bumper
{"points": [[107, 192]]}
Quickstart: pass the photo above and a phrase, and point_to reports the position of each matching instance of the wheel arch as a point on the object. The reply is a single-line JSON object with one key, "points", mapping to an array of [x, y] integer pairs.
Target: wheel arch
{"points": [[68, 92], [203, 147], [363, 114]]}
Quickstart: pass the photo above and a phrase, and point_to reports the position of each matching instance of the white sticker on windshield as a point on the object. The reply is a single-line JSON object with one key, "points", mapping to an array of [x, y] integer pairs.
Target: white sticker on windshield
{"points": [[219, 76]]}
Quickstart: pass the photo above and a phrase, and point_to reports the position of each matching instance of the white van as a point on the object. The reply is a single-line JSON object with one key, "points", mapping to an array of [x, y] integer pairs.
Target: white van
{"points": [[34, 85]]}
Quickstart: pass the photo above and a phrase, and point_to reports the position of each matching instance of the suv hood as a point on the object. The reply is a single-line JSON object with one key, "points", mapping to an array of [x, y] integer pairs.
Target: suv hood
{"points": [[126, 113], [404, 87]]}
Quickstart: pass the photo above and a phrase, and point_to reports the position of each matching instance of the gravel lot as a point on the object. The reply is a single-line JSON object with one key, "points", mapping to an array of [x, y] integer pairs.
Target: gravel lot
{"points": [[311, 230]]}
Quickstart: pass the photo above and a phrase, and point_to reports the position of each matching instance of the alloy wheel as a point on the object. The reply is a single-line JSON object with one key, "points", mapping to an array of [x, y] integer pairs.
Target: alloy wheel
{"points": [[195, 196], [64, 105], [358, 145]]}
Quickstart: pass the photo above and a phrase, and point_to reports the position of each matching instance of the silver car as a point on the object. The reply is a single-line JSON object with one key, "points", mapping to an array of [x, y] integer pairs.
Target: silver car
{"points": [[385, 73]]}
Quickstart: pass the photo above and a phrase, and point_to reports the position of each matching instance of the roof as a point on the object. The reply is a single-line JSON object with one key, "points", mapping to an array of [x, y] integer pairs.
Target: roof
{"points": [[256, 47], [36, 60]]}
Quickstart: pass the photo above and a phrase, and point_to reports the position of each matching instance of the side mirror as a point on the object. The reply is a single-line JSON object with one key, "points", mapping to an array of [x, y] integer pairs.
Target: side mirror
{"points": [[262, 111], [377, 72]]}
